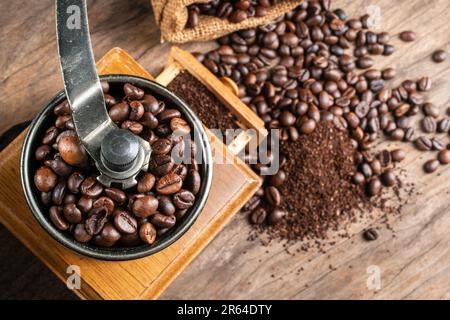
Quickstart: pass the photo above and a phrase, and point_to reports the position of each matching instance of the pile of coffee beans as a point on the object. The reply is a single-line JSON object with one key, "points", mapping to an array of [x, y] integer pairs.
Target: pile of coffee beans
{"points": [[79, 205], [315, 65], [203, 102], [234, 11]]}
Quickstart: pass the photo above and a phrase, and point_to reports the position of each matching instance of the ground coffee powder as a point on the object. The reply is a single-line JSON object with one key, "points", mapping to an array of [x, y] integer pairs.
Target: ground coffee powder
{"points": [[203, 102], [318, 192]]}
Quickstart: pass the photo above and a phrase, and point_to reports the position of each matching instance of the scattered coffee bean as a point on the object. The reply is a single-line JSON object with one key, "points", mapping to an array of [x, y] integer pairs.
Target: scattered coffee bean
{"points": [[370, 235], [444, 156], [440, 56], [408, 36], [431, 166]]}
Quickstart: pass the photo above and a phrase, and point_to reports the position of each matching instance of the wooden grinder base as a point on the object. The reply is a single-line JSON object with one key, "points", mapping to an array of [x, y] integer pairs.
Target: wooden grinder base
{"points": [[233, 184]]}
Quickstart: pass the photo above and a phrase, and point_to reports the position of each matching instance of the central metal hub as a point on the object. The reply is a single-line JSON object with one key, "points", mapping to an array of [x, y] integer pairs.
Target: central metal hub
{"points": [[119, 150]]}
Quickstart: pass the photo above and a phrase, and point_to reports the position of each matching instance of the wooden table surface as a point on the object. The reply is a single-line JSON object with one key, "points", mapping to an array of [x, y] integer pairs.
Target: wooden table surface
{"points": [[414, 261]]}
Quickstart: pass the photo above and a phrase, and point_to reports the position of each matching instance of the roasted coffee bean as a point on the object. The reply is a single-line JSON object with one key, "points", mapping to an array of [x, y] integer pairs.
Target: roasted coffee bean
{"points": [[85, 204], [273, 196], [193, 181], [46, 198], [146, 183], [184, 199], [161, 165], [124, 222], [370, 235], [398, 155], [388, 178], [444, 156], [424, 84], [136, 111], [145, 206], [147, 233], [108, 236], [119, 112], [43, 152], [430, 110], [74, 182], [149, 120], [169, 184], [374, 187], [69, 198], [423, 143], [431, 166], [104, 204], [437, 144], [167, 115], [397, 134], [408, 36], [161, 147], [45, 179], [57, 217], [95, 223], [60, 167], [443, 126], [59, 192], [163, 221], [166, 205], [180, 126], [91, 188], [117, 195], [80, 234], [133, 92], [62, 109], [133, 126], [277, 179], [275, 216], [50, 136], [429, 124], [72, 214], [358, 179], [180, 170], [258, 216], [130, 240], [440, 56], [71, 150]]}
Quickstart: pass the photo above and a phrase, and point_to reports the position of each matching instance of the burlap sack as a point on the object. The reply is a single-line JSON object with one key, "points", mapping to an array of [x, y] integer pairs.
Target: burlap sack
{"points": [[172, 15]]}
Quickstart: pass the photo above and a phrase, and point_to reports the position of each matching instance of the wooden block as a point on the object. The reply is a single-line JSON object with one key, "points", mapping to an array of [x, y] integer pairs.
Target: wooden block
{"points": [[233, 184], [180, 60]]}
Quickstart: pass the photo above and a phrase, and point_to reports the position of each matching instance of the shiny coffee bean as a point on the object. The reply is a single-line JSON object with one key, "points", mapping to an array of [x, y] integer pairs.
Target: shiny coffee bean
{"points": [[133, 92], [72, 214], [91, 187], [80, 234], [104, 204], [146, 183], [119, 112], [108, 236], [57, 218], [117, 195], [59, 192], [161, 147], [275, 216], [60, 167], [444, 156], [124, 222], [193, 181], [136, 111], [43, 152], [184, 199], [74, 182], [50, 136], [166, 206], [258, 216], [163, 221], [169, 184], [431, 166], [145, 206], [180, 126], [95, 223], [85, 204], [71, 150], [147, 233], [161, 165], [45, 179]]}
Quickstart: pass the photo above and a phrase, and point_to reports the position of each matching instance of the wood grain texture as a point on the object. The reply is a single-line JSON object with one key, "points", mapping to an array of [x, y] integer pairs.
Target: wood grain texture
{"points": [[232, 186], [414, 264]]}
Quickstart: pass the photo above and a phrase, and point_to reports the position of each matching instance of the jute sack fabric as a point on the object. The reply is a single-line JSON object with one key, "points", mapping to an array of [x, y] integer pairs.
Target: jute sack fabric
{"points": [[172, 16]]}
